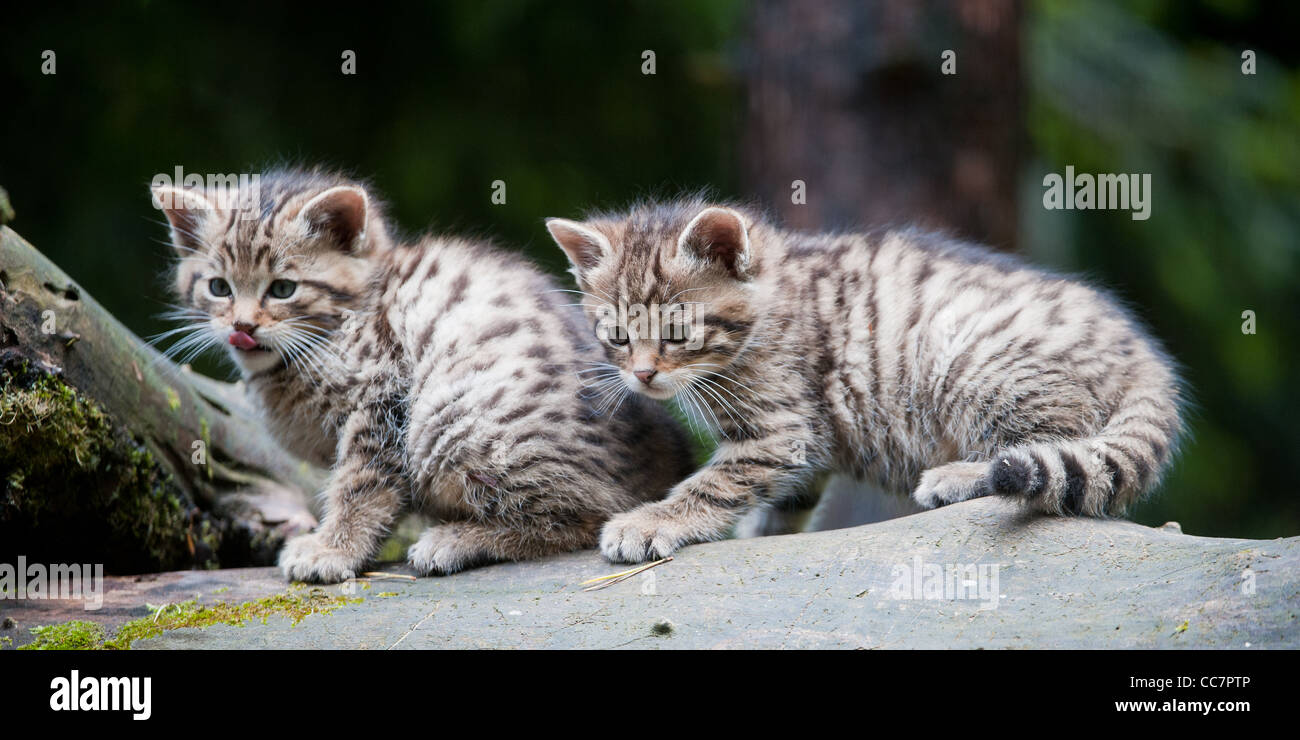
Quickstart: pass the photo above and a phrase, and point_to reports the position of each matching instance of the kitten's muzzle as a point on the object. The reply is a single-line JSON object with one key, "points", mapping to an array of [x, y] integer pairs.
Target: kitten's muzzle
{"points": [[645, 385]]}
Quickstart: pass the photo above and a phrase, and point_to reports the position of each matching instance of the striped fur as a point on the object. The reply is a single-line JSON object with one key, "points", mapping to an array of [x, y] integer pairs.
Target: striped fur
{"points": [[925, 365], [443, 376]]}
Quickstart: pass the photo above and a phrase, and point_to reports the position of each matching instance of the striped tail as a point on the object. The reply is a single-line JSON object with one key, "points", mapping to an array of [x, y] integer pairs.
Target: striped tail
{"points": [[1094, 476]]}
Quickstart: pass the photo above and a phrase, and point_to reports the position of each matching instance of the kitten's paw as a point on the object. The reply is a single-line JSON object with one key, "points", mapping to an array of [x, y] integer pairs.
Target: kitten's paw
{"points": [[647, 533], [948, 484], [308, 558], [443, 550]]}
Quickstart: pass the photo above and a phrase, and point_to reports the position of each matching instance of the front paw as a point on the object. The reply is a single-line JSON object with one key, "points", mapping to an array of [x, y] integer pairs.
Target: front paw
{"points": [[647, 533], [309, 558], [441, 551]]}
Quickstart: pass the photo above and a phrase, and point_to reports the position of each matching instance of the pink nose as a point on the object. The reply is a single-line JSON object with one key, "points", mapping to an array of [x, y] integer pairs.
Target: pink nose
{"points": [[645, 376]]}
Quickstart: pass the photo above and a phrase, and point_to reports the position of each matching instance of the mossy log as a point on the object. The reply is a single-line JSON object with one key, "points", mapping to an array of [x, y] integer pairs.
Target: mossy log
{"points": [[112, 454]]}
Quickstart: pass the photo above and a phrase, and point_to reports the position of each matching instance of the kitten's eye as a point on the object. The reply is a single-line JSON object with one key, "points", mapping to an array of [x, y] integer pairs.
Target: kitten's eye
{"points": [[282, 288], [676, 334], [617, 336], [219, 287]]}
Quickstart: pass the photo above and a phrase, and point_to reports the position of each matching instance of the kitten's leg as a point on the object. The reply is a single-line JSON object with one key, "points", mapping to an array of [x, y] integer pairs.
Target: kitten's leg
{"points": [[364, 495], [704, 507], [450, 548], [948, 484]]}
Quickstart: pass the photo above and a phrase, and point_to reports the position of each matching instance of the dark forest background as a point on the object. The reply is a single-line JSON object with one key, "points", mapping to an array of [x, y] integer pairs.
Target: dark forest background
{"points": [[848, 97]]}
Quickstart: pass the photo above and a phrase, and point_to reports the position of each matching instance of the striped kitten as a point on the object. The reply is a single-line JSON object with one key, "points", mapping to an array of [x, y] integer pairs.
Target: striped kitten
{"points": [[441, 376], [923, 364]]}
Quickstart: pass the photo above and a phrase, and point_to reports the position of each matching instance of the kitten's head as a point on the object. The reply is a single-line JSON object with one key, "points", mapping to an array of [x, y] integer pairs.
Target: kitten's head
{"points": [[269, 273], [668, 288]]}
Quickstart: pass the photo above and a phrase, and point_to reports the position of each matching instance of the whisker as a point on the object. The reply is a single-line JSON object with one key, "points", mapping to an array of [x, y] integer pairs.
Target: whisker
{"points": [[726, 407], [715, 384], [693, 392]]}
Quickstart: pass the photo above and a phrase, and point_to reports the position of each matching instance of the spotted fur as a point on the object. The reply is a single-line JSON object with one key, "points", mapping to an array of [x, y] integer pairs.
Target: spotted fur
{"points": [[444, 376], [923, 364]]}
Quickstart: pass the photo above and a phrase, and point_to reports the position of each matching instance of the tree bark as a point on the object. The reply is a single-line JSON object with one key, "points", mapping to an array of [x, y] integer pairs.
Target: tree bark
{"points": [[851, 99], [110, 453]]}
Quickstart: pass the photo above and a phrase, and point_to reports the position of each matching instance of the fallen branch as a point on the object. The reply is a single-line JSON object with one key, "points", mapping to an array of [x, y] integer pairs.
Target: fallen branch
{"points": [[110, 453]]}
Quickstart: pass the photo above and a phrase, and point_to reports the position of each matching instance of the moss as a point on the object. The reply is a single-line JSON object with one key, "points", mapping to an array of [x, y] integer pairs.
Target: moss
{"points": [[209, 540], [55, 414], [189, 614], [67, 636], [173, 400], [68, 469]]}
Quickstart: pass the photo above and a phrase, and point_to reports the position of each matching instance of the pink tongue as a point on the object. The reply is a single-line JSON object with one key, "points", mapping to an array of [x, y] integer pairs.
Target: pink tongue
{"points": [[242, 340]]}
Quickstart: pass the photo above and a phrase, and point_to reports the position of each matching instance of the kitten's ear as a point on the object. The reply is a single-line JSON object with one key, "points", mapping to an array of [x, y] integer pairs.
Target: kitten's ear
{"points": [[185, 210], [340, 215], [718, 236], [585, 246]]}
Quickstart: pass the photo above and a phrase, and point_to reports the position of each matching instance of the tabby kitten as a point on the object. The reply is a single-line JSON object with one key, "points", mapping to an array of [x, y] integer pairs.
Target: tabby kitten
{"points": [[921, 363], [443, 376]]}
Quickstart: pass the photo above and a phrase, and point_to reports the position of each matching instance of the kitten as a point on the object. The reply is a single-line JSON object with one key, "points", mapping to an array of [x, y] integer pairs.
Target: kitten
{"points": [[924, 364], [443, 376]]}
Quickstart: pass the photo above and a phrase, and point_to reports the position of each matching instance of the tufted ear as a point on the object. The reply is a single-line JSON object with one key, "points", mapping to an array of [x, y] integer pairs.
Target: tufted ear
{"points": [[718, 236], [586, 247], [338, 214], [185, 209]]}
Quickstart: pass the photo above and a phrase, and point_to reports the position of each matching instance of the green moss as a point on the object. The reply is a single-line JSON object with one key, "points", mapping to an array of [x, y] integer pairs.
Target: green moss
{"points": [[67, 636], [173, 400], [68, 468], [53, 412], [188, 614]]}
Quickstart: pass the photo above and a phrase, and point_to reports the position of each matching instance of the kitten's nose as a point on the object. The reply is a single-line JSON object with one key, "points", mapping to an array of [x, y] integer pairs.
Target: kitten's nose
{"points": [[645, 376], [245, 327]]}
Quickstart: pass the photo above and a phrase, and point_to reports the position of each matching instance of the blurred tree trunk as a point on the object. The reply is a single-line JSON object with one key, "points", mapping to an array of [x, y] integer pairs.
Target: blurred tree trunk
{"points": [[849, 97]]}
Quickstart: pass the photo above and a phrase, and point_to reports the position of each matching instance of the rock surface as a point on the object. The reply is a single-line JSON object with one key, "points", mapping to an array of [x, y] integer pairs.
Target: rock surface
{"points": [[1058, 583]]}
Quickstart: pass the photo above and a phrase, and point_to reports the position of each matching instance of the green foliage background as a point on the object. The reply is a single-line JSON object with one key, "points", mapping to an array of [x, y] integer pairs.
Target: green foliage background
{"points": [[548, 97], [1158, 87]]}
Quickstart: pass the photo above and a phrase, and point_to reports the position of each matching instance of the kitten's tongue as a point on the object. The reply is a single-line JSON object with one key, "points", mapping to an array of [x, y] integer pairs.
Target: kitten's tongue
{"points": [[242, 340]]}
